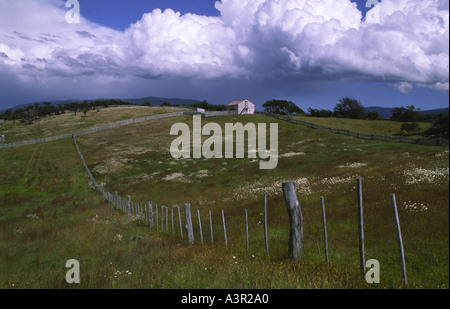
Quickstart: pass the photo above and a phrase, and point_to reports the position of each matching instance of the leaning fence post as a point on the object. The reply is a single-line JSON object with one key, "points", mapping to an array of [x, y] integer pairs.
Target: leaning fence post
{"points": [[322, 201], [246, 229], [200, 226], [362, 257], [400, 240], [189, 230], [224, 229], [266, 239], [179, 219], [295, 220], [211, 227]]}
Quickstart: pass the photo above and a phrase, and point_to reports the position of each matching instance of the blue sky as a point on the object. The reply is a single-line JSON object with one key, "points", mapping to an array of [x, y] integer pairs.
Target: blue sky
{"points": [[312, 52], [119, 14]]}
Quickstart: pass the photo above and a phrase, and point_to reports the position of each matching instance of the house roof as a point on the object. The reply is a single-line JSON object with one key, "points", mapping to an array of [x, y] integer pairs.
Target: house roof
{"points": [[237, 102]]}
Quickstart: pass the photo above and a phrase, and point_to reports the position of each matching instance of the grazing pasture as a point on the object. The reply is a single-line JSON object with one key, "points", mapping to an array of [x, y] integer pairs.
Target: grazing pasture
{"points": [[50, 211]]}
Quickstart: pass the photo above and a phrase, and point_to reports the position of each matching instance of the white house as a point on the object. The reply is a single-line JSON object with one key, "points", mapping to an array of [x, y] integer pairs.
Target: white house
{"points": [[244, 107]]}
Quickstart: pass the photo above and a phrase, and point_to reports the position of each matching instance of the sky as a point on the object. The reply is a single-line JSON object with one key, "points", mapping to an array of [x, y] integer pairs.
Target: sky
{"points": [[311, 52]]}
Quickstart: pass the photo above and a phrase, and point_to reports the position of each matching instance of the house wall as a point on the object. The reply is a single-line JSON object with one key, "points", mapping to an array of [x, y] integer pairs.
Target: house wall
{"points": [[249, 105]]}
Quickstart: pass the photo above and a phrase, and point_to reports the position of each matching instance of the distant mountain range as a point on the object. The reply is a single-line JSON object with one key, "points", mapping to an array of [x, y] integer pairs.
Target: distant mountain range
{"points": [[154, 101], [386, 112]]}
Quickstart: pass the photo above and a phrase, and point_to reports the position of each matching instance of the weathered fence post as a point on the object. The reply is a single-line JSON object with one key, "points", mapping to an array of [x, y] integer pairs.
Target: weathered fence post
{"points": [[200, 226], [150, 214], [362, 258], [162, 218], [167, 219], [173, 228], [246, 229], [116, 200], [324, 218], [400, 240], [224, 229], [295, 220], [211, 227], [157, 219], [266, 238], [129, 204], [189, 229], [179, 219]]}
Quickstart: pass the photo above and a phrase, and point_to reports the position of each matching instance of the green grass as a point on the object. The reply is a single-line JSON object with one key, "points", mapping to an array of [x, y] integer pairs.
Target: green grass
{"points": [[71, 122], [49, 182], [379, 127]]}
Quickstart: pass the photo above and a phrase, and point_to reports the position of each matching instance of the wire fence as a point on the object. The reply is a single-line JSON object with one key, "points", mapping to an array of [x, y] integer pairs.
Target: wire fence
{"points": [[431, 141], [94, 130]]}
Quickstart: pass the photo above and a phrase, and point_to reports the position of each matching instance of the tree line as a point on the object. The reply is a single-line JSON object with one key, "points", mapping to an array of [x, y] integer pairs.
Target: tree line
{"points": [[353, 109], [346, 108], [39, 110]]}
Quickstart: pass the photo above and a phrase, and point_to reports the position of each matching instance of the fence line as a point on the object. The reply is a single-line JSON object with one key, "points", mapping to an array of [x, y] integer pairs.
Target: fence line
{"points": [[397, 139], [93, 130], [430, 141], [134, 209]]}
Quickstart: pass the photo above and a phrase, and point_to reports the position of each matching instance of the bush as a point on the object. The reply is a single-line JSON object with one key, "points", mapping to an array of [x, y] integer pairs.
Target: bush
{"points": [[440, 127], [349, 108], [412, 128]]}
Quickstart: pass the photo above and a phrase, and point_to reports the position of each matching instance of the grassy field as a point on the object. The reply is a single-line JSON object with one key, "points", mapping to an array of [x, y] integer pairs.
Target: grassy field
{"points": [[49, 212], [379, 127], [71, 122]]}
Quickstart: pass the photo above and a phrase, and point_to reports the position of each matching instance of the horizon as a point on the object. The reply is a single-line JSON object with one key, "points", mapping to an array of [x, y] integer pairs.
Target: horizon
{"points": [[258, 107], [312, 55]]}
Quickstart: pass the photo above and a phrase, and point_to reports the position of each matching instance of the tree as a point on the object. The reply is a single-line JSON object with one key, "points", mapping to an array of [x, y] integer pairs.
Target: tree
{"points": [[373, 115], [282, 107], [320, 112], [440, 127], [412, 128], [405, 114], [29, 115], [349, 108], [85, 108]]}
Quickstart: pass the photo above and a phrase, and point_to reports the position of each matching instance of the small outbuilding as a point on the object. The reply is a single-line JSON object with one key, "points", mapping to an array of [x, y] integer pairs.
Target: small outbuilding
{"points": [[243, 107]]}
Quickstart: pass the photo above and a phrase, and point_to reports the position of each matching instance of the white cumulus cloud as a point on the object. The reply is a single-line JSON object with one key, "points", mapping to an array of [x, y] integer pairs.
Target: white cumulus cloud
{"points": [[401, 42]]}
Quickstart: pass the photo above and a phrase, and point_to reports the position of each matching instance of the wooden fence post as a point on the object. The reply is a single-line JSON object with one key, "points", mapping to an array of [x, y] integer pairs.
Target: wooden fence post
{"points": [[173, 228], [179, 219], [266, 238], [189, 229], [150, 214], [246, 229], [157, 219], [362, 258], [400, 240], [295, 220], [129, 204], [162, 218], [167, 219], [324, 218], [211, 227], [224, 229], [200, 226]]}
